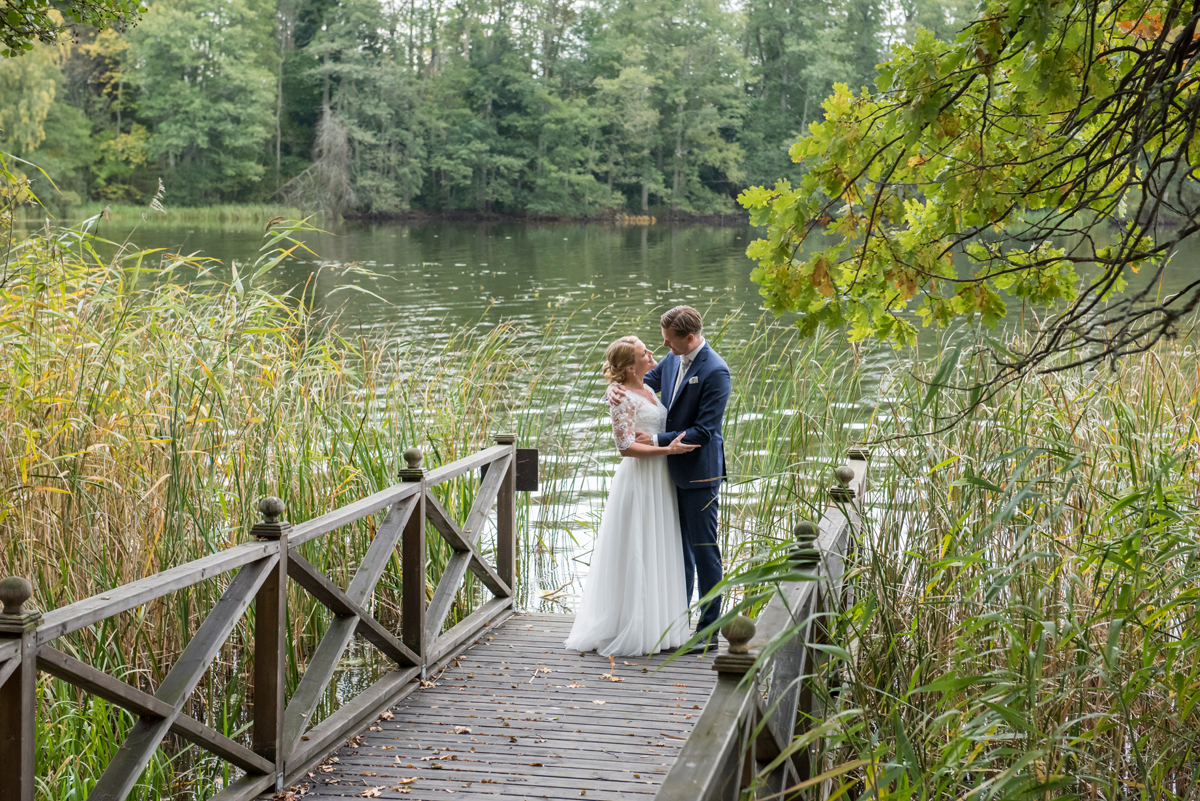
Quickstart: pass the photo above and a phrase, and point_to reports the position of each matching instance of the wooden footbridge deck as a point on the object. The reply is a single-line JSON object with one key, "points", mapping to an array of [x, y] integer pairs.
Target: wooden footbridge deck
{"points": [[516, 716], [490, 707]]}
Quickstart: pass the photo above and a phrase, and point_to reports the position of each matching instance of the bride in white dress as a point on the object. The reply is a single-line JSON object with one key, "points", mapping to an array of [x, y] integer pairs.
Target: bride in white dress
{"points": [[634, 600]]}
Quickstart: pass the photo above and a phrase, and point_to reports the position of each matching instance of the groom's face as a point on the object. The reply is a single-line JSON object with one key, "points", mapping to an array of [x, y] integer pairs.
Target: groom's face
{"points": [[679, 345]]}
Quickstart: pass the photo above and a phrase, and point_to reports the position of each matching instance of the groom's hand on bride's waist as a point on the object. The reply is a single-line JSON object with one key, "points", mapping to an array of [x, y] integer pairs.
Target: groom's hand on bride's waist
{"points": [[645, 439]]}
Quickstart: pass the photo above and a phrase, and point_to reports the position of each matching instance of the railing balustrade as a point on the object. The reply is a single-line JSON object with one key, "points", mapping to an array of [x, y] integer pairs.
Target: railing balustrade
{"points": [[284, 744], [743, 730]]}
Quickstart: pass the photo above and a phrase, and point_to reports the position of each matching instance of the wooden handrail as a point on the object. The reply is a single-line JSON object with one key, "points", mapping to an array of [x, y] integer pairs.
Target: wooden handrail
{"points": [[284, 743], [739, 733]]}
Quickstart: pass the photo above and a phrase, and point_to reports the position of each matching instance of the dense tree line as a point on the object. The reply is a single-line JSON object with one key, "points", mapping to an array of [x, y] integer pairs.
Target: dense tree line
{"points": [[545, 107]]}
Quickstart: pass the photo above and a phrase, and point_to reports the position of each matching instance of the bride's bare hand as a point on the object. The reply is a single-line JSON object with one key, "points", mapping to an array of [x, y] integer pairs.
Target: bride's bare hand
{"points": [[679, 446]]}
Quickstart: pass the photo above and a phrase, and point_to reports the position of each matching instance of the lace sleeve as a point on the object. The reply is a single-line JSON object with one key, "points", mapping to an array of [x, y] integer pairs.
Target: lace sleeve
{"points": [[623, 428]]}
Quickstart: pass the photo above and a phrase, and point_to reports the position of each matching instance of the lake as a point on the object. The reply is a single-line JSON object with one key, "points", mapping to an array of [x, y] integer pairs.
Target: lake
{"points": [[424, 280]]}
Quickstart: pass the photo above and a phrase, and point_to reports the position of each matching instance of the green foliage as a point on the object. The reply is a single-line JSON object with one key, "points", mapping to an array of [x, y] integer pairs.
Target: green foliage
{"points": [[545, 107], [23, 21], [209, 96], [961, 179]]}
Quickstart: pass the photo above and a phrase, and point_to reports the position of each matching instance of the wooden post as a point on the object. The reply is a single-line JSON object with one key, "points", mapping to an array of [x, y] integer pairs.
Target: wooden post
{"points": [[18, 693], [506, 517], [412, 564], [270, 643]]}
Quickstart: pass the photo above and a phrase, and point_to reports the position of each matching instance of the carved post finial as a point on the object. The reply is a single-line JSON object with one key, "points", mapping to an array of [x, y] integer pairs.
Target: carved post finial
{"points": [[739, 632], [271, 509], [842, 492], [506, 439], [805, 534], [272, 526], [412, 460], [14, 592]]}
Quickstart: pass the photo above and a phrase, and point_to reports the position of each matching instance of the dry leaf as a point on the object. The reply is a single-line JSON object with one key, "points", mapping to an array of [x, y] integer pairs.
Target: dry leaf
{"points": [[597, 702], [373, 792], [536, 765], [386, 716], [462, 730], [678, 685]]}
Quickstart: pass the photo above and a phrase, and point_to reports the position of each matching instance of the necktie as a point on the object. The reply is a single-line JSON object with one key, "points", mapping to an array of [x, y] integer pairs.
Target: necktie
{"points": [[684, 363]]}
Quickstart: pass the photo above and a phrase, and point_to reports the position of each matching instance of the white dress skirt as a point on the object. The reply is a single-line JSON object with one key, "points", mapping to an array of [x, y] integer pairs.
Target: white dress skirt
{"points": [[633, 597]]}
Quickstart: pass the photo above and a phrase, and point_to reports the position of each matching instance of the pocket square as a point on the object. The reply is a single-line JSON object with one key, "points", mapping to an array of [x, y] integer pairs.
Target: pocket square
{"points": [[694, 379]]}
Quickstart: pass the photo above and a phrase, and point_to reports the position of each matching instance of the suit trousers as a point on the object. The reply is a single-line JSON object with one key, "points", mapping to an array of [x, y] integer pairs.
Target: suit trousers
{"points": [[698, 515]]}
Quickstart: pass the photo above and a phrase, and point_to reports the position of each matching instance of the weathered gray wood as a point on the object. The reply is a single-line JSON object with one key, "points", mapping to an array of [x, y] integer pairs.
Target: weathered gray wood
{"points": [[439, 518], [320, 587], [468, 627], [324, 661], [115, 691], [303, 532], [412, 578], [18, 708], [92, 610], [594, 747], [134, 754], [10, 649], [245, 788], [489, 489], [8, 668], [506, 523], [456, 566], [446, 472], [270, 658], [349, 718], [697, 770]]}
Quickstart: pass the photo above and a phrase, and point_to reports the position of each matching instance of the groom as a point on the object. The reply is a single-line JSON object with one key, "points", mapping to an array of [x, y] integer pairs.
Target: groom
{"points": [[694, 382]]}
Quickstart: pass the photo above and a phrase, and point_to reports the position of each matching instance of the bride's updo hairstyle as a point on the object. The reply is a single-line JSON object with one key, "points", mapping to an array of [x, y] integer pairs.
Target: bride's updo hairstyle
{"points": [[619, 357]]}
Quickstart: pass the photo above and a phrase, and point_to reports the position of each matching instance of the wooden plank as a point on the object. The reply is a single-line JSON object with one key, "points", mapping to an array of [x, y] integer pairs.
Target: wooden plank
{"points": [[143, 739], [698, 766], [320, 587], [7, 669], [303, 532], [349, 718], [98, 607], [467, 628], [270, 659], [456, 566], [412, 579], [10, 649], [489, 490], [440, 519], [506, 522], [115, 691], [245, 788], [18, 725], [446, 472], [324, 661]]}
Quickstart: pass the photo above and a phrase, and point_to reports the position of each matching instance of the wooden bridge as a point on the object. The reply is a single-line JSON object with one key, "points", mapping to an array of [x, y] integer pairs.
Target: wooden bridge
{"points": [[491, 707]]}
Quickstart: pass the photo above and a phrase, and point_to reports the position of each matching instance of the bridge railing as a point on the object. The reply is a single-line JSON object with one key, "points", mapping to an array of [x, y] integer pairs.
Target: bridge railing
{"points": [[283, 744], [765, 693]]}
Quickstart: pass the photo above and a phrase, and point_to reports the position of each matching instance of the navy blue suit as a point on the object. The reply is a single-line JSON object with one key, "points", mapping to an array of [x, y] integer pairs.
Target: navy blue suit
{"points": [[697, 412]]}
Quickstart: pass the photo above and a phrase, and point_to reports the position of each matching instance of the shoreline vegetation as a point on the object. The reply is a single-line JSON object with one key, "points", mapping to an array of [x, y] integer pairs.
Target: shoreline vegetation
{"points": [[260, 214], [1024, 620]]}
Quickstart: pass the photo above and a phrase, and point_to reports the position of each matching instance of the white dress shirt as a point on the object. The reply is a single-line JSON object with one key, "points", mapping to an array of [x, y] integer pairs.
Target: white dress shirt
{"points": [[685, 363]]}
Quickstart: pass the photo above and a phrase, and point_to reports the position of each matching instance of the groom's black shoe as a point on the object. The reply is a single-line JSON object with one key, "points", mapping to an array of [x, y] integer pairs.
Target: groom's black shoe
{"points": [[708, 646]]}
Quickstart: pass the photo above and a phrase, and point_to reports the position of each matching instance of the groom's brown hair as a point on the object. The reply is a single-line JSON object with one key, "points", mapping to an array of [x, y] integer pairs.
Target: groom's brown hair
{"points": [[683, 320]]}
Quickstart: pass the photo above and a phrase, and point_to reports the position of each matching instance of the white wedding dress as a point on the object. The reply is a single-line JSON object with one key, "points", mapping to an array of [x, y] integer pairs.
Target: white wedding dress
{"points": [[633, 597]]}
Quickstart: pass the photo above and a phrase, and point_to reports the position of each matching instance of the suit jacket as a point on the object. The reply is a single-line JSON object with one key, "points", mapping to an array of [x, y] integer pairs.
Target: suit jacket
{"points": [[697, 410]]}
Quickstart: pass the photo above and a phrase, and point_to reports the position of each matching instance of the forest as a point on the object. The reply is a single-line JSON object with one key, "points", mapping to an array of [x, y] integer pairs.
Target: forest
{"points": [[540, 108]]}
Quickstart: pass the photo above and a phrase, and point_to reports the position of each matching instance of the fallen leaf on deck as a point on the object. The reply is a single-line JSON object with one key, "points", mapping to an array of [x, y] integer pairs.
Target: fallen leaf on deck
{"points": [[597, 702], [462, 730], [373, 792]]}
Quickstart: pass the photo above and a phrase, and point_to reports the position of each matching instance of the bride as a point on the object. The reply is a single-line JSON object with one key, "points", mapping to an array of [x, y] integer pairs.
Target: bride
{"points": [[634, 600]]}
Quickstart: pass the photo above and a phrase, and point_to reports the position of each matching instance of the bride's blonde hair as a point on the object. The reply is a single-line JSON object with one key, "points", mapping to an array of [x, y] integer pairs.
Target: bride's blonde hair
{"points": [[619, 357]]}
